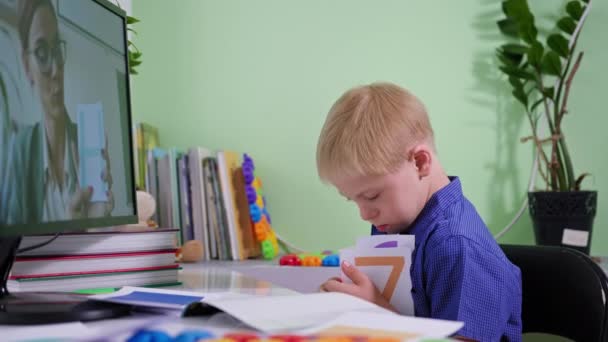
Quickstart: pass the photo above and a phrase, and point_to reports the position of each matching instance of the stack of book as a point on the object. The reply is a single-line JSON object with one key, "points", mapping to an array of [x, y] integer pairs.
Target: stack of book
{"points": [[90, 261]]}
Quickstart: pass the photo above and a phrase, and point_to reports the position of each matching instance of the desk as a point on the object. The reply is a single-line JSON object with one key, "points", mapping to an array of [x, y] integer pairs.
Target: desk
{"points": [[201, 277]]}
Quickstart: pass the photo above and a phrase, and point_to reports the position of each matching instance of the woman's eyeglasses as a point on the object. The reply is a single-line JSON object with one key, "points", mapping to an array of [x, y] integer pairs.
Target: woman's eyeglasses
{"points": [[46, 55]]}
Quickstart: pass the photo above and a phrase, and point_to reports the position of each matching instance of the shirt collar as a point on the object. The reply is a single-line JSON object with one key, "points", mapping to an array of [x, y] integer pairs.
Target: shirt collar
{"points": [[438, 202]]}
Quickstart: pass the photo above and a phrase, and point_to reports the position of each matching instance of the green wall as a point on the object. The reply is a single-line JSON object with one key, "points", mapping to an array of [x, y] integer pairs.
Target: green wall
{"points": [[260, 76]]}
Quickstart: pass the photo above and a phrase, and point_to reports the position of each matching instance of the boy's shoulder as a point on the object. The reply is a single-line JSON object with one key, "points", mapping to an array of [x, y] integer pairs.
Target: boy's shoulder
{"points": [[461, 225]]}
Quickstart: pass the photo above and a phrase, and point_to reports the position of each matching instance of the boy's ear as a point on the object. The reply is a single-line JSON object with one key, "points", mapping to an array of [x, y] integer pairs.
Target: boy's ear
{"points": [[423, 159]]}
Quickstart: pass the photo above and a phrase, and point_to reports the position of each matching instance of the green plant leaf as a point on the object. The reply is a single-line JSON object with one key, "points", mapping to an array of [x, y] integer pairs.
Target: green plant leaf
{"points": [[514, 48], [528, 31], [506, 60], [535, 54], [131, 20], [516, 9], [505, 8], [559, 44], [132, 30], [574, 9], [516, 82], [513, 59], [509, 27], [517, 72], [520, 96], [567, 25], [586, 1], [134, 55], [512, 54], [134, 63], [552, 65]]}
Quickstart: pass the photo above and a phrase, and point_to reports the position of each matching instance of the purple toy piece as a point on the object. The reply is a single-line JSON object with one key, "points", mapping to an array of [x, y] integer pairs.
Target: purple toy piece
{"points": [[251, 194], [248, 161], [248, 174], [387, 244]]}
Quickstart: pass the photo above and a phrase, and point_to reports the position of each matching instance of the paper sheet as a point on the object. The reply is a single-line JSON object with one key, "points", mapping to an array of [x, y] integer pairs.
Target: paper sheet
{"points": [[372, 324], [286, 313], [386, 260]]}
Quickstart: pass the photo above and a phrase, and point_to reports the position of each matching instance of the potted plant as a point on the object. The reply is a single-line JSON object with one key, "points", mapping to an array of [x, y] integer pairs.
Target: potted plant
{"points": [[540, 72]]}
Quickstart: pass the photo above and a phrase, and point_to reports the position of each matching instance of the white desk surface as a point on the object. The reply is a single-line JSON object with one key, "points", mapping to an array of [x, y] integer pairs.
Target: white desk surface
{"points": [[251, 277], [296, 278]]}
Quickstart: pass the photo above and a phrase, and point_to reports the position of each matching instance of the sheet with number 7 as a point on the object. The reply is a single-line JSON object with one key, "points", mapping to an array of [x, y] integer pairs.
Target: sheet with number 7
{"points": [[386, 260]]}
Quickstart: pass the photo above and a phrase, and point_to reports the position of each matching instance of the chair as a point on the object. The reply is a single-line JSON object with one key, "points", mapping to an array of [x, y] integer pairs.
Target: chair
{"points": [[564, 292]]}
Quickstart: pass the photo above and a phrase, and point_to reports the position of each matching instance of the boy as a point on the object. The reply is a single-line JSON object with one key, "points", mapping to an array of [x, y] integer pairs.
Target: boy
{"points": [[377, 148]]}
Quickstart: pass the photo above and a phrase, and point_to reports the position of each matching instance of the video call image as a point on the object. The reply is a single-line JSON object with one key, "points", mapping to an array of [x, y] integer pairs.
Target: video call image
{"points": [[64, 130]]}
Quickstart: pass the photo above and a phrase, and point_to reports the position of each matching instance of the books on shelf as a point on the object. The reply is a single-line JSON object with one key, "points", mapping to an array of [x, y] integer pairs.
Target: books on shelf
{"points": [[203, 193]]}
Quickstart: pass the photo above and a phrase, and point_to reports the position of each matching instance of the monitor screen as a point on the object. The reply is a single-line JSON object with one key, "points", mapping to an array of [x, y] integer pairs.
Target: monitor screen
{"points": [[65, 138]]}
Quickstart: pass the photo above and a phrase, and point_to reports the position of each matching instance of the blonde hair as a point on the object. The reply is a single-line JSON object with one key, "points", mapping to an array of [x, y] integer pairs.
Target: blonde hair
{"points": [[369, 130]]}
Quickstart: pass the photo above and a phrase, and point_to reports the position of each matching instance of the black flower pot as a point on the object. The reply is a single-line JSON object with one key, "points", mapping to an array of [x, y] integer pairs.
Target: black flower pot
{"points": [[563, 218]]}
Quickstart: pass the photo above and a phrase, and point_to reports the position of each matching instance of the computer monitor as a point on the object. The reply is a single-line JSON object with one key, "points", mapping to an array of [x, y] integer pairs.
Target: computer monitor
{"points": [[66, 157]]}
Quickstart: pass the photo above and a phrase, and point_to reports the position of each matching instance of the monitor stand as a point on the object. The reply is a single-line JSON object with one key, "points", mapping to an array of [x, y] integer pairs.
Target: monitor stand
{"points": [[22, 308]]}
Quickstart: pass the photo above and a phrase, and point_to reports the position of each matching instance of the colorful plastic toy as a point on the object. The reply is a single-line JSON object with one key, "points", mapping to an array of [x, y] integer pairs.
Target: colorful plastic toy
{"points": [[193, 336], [242, 337], [332, 260], [290, 260], [311, 260], [327, 259], [149, 335], [260, 219]]}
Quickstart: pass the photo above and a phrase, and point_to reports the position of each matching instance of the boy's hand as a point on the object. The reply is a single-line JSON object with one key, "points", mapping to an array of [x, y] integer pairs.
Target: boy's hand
{"points": [[361, 287]]}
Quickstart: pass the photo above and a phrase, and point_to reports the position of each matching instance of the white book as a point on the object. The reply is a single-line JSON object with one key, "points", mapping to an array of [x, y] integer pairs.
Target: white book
{"points": [[196, 156], [103, 280], [78, 264], [101, 242]]}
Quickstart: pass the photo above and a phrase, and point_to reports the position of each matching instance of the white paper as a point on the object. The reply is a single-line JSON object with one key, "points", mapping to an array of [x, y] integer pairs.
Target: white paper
{"points": [[386, 260], [373, 324], [275, 314]]}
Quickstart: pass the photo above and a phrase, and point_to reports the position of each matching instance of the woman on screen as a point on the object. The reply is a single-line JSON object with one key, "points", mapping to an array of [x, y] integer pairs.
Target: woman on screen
{"points": [[46, 159]]}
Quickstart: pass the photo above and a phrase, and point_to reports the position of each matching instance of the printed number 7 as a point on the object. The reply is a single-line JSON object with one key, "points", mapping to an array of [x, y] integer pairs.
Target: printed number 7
{"points": [[397, 262]]}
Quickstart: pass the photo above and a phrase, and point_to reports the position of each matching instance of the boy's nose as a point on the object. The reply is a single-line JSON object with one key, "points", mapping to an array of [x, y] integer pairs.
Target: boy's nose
{"points": [[367, 213]]}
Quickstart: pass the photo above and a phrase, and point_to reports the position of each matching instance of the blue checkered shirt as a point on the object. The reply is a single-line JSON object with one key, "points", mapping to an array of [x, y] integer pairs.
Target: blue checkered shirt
{"points": [[460, 273]]}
